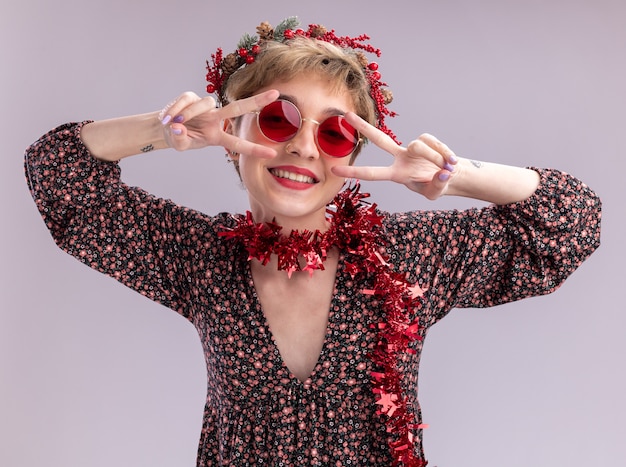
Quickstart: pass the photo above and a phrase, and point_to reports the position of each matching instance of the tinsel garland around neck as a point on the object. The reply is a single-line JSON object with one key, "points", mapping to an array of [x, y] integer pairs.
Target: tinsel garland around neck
{"points": [[355, 228]]}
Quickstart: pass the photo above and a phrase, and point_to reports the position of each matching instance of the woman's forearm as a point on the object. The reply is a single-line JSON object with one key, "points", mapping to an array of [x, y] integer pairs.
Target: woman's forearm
{"points": [[493, 183], [114, 139]]}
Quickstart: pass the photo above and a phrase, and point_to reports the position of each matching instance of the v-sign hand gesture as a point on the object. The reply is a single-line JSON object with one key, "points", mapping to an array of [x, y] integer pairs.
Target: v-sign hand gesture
{"points": [[191, 122], [425, 166]]}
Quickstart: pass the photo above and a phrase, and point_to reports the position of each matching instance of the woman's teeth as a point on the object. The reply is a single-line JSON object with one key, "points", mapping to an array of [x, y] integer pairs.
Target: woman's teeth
{"points": [[292, 176]]}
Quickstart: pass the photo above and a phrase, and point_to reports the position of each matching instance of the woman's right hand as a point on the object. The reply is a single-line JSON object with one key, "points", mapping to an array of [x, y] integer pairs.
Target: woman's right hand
{"points": [[191, 122]]}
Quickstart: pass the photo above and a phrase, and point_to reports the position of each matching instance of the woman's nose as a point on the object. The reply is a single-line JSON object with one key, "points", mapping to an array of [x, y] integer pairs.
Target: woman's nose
{"points": [[304, 143]]}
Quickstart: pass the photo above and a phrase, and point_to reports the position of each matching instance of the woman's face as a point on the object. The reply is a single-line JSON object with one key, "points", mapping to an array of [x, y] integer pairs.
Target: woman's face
{"points": [[295, 186]]}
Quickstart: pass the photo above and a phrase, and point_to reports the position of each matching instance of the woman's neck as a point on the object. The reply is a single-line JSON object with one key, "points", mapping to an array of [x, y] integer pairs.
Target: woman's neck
{"points": [[312, 222]]}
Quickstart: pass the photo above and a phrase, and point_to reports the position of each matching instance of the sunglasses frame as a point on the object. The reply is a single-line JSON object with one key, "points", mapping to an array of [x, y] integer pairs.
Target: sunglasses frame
{"points": [[358, 142]]}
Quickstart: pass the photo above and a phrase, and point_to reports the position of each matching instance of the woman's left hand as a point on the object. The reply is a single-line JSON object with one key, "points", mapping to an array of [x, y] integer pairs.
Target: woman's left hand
{"points": [[425, 166]]}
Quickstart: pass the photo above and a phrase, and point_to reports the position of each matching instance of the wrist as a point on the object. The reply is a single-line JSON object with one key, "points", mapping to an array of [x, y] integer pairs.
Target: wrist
{"points": [[493, 183], [154, 132], [118, 138], [461, 177]]}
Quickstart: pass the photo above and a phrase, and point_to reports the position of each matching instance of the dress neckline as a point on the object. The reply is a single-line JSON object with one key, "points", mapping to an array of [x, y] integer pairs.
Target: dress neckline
{"points": [[279, 361]]}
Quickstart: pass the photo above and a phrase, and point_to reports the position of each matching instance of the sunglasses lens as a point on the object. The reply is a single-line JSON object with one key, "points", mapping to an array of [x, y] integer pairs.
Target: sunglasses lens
{"points": [[279, 121], [337, 137]]}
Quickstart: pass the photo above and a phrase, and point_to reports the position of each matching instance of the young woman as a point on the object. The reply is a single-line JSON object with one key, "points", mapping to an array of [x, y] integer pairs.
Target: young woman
{"points": [[312, 307]]}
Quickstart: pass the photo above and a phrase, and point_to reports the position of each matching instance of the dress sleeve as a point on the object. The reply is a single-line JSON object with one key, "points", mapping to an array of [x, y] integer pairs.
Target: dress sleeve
{"points": [[138, 239], [500, 253]]}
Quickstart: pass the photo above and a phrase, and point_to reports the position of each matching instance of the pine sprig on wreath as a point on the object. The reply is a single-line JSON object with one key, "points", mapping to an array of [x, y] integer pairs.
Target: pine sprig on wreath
{"points": [[247, 41], [288, 24]]}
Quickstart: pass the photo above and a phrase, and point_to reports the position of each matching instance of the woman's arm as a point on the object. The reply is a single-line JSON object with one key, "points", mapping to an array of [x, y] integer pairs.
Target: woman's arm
{"points": [[499, 253], [117, 138], [132, 236], [494, 183], [189, 122], [137, 238], [429, 167]]}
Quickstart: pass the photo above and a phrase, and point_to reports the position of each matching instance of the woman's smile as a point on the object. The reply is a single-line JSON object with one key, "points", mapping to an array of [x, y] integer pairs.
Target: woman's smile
{"points": [[294, 177]]}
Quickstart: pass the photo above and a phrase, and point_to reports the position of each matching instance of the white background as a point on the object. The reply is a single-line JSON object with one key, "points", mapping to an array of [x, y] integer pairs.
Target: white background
{"points": [[93, 375]]}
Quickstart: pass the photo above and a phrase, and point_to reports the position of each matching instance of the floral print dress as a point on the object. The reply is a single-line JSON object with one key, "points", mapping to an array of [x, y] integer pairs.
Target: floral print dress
{"points": [[257, 412]]}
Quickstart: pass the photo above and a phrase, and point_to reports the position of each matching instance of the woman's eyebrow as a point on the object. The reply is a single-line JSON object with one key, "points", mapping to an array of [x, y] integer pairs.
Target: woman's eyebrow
{"points": [[327, 111]]}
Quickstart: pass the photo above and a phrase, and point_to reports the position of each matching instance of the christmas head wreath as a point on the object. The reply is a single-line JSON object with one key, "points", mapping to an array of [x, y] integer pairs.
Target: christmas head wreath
{"points": [[220, 67]]}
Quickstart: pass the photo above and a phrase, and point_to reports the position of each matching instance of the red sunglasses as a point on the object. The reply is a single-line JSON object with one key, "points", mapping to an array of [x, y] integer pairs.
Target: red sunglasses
{"points": [[281, 120]]}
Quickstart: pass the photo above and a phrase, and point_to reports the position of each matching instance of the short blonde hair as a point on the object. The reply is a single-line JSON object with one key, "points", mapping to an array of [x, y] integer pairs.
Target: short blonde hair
{"points": [[280, 61]]}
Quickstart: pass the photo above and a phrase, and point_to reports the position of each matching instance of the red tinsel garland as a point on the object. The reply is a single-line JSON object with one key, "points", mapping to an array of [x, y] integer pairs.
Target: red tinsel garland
{"points": [[355, 228]]}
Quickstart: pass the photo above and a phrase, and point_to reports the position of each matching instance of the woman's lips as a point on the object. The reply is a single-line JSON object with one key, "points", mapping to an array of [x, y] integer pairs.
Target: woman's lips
{"points": [[294, 174]]}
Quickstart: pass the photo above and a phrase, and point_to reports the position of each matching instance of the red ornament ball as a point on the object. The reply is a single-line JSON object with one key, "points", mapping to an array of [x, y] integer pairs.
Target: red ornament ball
{"points": [[256, 48], [249, 59], [243, 52], [373, 66], [288, 34]]}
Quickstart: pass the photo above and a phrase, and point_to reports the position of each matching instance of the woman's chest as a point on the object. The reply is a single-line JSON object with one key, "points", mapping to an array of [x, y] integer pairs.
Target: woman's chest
{"points": [[242, 342]]}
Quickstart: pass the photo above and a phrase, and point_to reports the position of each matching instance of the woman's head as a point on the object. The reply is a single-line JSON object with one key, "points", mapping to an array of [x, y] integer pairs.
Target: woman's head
{"points": [[300, 180], [320, 75]]}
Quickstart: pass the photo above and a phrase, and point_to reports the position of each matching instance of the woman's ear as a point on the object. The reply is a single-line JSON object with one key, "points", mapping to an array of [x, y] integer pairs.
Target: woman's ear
{"points": [[232, 156], [229, 128]]}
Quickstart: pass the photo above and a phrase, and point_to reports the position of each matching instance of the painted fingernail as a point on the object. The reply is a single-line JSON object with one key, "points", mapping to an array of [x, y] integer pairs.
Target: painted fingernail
{"points": [[178, 119], [166, 120], [449, 167], [454, 159], [177, 131], [444, 176]]}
